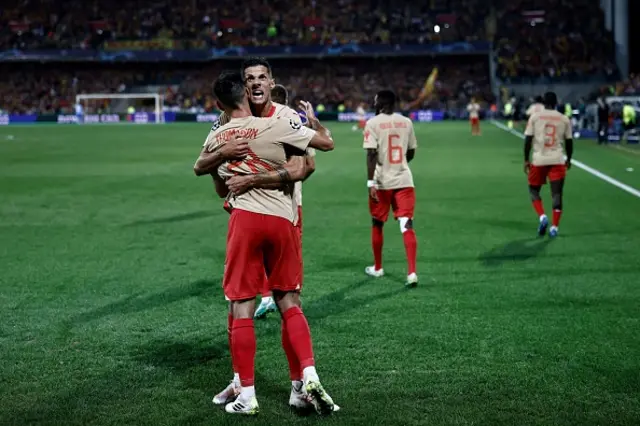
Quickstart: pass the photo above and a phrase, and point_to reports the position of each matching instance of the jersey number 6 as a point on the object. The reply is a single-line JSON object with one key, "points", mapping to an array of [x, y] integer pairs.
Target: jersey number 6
{"points": [[394, 151], [549, 135]]}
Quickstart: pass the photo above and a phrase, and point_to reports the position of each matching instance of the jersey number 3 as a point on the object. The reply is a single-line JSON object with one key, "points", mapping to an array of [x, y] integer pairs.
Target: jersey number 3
{"points": [[549, 135], [394, 151]]}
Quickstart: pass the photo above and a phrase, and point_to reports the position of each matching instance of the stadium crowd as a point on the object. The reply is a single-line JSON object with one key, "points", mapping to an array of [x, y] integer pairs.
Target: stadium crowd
{"points": [[553, 39], [332, 83], [534, 41]]}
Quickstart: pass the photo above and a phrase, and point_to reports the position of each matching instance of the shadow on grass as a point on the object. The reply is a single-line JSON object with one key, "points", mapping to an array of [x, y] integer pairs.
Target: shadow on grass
{"points": [[515, 251], [175, 218], [138, 303]]}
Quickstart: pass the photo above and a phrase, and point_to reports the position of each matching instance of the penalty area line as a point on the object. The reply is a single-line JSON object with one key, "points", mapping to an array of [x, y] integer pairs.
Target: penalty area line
{"points": [[580, 165]]}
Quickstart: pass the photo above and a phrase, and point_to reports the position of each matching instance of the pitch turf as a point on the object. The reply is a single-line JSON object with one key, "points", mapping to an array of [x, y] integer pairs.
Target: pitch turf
{"points": [[111, 254]]}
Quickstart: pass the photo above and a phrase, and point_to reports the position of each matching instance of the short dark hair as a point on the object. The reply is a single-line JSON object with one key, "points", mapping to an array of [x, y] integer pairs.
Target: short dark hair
{"points": [[538, 99], [280, 94], [229, 89], [550, 100], [255, 62], [386, 99]]}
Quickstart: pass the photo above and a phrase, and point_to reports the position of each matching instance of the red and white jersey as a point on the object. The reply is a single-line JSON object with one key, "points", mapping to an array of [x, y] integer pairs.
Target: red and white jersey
{"points": [[533, 108], [282, 111], [267, 140], [550, 130], [392, 135], [474, 110]]}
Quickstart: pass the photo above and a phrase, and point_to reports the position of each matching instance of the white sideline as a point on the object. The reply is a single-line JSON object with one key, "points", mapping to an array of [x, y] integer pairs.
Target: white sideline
{"points": [[579, 164]]}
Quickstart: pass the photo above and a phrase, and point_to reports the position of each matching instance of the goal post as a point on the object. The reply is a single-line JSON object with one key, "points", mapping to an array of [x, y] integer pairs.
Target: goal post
{"points": [[158, 100]]}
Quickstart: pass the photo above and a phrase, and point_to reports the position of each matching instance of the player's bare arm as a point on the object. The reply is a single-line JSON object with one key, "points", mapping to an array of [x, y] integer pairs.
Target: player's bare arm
{"points": [[310, 166], [528, 143], [411, 153], [568, 146], [372, 161], [315, 124], [208, 162], [292, 171], [221, 188]]}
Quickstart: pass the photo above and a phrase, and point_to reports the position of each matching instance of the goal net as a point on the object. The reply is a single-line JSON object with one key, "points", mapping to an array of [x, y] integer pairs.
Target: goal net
{"points": [[137, 108]]}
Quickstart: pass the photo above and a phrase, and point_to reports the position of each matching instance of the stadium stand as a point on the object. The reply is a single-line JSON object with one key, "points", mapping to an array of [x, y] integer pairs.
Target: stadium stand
{"points": [[525, 50]]}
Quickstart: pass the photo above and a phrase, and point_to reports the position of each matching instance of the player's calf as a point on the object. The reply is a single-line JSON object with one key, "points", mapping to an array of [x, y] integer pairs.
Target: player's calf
{"points": [[556, 196], [411, 248], [536, 201], [377, 241], [299, 335]]}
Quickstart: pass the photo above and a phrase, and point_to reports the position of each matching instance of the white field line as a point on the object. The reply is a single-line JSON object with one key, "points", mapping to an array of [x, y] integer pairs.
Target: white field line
{"points": [[580, 165]]}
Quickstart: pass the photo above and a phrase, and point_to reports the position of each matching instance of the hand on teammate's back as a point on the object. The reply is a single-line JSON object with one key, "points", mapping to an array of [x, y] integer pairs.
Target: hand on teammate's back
{"points": [[237, 148], [239, 184]]}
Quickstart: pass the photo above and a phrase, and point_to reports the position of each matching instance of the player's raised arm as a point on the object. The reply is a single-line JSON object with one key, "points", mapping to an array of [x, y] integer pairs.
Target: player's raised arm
{"points": [[322, 139]]}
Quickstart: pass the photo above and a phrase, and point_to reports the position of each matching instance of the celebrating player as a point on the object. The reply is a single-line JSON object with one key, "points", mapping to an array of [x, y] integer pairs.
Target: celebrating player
{"points": [[548, 132], [280, 98], [262, 237], [259, 80], [391, 143], [474, 117], [536, 106]]}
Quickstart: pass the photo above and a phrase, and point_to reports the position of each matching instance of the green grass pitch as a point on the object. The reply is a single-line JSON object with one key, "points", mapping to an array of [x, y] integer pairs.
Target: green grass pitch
{"points": [[111, 256]]}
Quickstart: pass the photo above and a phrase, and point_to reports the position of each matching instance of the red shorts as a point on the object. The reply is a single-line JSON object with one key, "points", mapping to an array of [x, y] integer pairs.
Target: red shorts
{"points": [[402, 201], [299, 224], [538, 174], [475, 121], [259, 243]]}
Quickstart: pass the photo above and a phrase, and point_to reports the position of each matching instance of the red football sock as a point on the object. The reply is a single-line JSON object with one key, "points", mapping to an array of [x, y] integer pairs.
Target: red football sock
{"points": [[377, 239], [243, 342], [295, 372], [297, 328], [557, 214], [229, 328], [411, 248], [537, 205]]}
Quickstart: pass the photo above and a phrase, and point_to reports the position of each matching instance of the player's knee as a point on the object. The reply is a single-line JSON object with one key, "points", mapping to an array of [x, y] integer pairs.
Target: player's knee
{"points": [[406, 224], [376, 223], [534, 191]]}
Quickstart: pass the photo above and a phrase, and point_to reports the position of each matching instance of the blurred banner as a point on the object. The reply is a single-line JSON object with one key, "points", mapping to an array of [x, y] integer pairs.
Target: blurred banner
{"points": [[171, 117], [157, 50]]}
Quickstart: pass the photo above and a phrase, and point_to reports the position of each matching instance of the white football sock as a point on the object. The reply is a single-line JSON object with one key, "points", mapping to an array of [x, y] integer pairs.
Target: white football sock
{"points": [[296, 385], [310, 373], [236, 379], [247, 392]]}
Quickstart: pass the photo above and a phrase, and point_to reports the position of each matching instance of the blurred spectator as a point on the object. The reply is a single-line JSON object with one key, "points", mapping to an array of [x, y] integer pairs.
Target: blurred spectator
{"points": [[332, 82], [552, 40]]}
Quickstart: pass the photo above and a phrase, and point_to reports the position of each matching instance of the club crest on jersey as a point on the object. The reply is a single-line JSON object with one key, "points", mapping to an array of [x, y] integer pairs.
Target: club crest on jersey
{"points": [[295, 125]]}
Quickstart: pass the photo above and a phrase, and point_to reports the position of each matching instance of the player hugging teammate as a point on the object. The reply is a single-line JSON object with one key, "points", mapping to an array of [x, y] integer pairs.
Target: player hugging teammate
{"points": [[246, 156]]}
